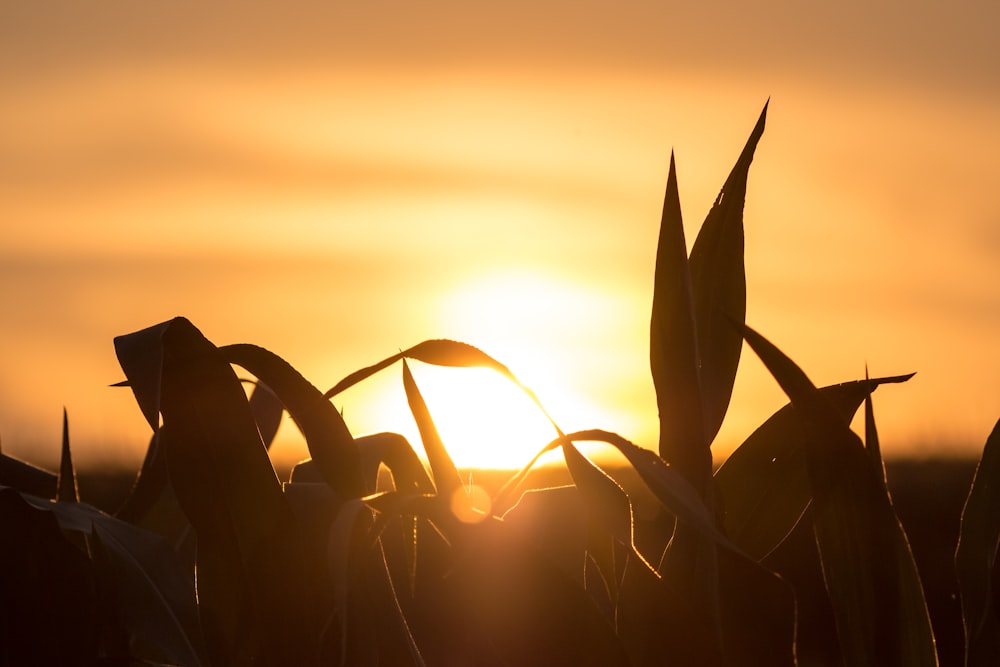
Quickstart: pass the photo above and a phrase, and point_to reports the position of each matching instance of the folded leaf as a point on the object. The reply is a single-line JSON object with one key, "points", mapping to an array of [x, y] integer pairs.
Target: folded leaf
{"points": [[764, 486], [870, 575]]}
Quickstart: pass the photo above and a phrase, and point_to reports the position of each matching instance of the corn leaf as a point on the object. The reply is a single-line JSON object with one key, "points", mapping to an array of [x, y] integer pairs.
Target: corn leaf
{"points": [[330, 443], [66, 488], [225, 484], [609, 510], [868, 568], [976, 559], [764, 486], [673, 349], [673, 491], [140, 355], [718, 279], [439, 352], [446, 477]]}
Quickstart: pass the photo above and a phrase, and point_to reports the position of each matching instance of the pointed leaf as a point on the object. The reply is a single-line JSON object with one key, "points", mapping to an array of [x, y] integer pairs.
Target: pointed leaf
{"points": [[673, 350], [872, 445], [868, 568], [764, 486], [66, 490], [718, 279], [976, 559], [446, 477]]}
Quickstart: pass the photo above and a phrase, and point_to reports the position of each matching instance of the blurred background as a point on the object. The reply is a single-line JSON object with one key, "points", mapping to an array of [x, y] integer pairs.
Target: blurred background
{"points": [[336, 181]]}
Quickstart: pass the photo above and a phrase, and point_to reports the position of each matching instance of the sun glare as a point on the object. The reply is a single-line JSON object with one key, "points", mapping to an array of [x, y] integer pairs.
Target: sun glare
{"points": [[541, 327]]}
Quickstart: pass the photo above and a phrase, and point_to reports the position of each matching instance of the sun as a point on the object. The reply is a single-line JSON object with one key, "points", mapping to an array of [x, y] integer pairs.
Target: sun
{"points": [[536, 324]]}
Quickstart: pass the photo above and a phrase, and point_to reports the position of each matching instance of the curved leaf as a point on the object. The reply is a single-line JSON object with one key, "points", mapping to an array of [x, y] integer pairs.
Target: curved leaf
{"points": [[764, 486], [330, 443], [249, 597], [976, 559], [440, 352], [673, 491]]}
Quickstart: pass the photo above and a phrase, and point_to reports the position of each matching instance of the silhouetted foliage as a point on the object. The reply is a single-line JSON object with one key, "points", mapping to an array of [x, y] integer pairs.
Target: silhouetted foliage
{"points": [[212, 560]]}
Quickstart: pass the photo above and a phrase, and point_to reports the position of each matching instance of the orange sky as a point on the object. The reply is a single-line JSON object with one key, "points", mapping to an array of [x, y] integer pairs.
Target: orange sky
{"points": [[335, 181]]}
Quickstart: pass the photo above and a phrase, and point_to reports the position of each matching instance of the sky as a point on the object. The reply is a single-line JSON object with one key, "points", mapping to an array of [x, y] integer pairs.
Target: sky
{"points": [[337, 181]]}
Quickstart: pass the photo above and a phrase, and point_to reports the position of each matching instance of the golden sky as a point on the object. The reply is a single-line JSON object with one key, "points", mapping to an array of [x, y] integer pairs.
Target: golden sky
{"points": [[336, 181]]}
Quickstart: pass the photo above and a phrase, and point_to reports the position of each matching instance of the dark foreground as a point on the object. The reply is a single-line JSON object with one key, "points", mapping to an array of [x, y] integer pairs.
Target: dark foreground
{"points": [[928, 496]]}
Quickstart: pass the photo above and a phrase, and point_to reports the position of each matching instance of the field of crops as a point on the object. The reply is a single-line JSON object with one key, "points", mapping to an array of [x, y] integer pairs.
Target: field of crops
{"points": [[798, 549]]}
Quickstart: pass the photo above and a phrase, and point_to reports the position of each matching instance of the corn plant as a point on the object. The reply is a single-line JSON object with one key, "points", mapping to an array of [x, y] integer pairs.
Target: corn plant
{"points": [[366, 555]]}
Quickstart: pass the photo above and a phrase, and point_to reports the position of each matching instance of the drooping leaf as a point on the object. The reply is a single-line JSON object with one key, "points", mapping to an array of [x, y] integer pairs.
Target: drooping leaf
{"points": [[672, 490], [976, 559], [330, 442], [446, 477], [66, 488], [140, 355], [718, 279], [609, 512], [439, 352], [764, 485], [673, 350], [868, 569], [250, 599]]}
